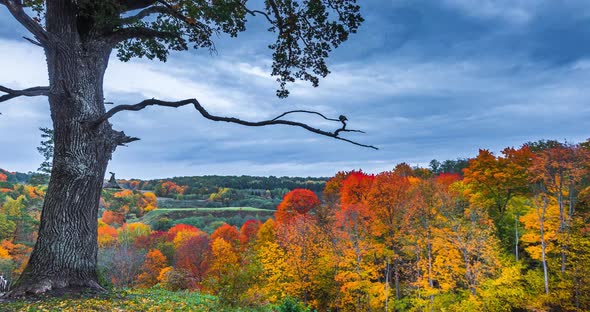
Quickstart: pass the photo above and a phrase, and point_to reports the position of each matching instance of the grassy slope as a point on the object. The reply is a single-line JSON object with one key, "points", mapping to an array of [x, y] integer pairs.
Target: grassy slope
{"points": [[127, 300], [216, 209], [179, 213]]}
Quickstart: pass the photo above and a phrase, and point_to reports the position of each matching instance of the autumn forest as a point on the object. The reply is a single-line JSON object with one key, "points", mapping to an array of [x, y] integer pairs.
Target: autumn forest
{"points": [[498, 232]]}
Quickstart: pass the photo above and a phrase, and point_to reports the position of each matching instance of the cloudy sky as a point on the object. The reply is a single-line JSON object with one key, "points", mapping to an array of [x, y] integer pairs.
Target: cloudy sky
{"points": [[424, 79]]}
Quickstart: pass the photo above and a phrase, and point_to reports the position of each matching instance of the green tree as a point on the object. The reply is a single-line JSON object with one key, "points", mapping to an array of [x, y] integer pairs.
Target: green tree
{"points": [[46, 150], [7, 227], [78, 38]]}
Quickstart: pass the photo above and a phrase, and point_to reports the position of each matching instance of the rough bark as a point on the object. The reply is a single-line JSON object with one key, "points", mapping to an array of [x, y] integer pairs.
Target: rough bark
{"points": [[66, 250]]}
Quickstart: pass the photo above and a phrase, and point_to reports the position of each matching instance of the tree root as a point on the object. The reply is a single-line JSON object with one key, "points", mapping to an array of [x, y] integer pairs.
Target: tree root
{"points": [[49, 288]]}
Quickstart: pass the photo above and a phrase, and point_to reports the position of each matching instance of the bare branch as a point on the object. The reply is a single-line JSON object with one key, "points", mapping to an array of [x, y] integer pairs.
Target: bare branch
{"points": [[37, 43], [15, 8], [207, 115], [255, 12], [304, 111], [11, 94], [341, 119]]}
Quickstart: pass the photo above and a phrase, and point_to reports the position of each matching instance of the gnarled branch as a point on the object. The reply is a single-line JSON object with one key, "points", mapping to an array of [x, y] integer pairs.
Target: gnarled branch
{"points": [[207, 115], [341, 119], [256, 12], [15, 7], [11, 94], [163, 7], [180, 16], [121, 139], [277, 14]]}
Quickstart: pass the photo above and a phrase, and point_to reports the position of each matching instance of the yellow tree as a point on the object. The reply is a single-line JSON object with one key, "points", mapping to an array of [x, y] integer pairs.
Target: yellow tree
{"points": [[420, 238], [129, 232], [147, 202], [360, 260], [272, 258], [389, 198], [560, 169], [469, 235], [275, 278], [579, 270], [471, 231], [492, 183], [542, 226], [225, 273], [307, 247]]}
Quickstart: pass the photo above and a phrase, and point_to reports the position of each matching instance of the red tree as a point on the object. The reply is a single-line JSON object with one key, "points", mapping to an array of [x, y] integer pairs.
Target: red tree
{"points": [[228, 233], [298, 201], [249, 230], [355, 188], [193, 255]]}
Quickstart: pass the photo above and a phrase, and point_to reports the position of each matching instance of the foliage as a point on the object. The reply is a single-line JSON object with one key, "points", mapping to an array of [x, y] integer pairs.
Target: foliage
{"points": [[121, 204], [290, 304], [124, 300], [46, 150], [153, 264], [398, 240], [296, 202]]}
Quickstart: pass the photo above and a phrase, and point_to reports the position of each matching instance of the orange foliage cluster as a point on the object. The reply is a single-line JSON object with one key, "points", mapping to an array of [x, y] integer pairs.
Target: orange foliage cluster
{"points": [[113, 218], [173, 231], [228, 233], [126, 202], [107, 235], [13, 257], [296, 202], [170, 188]]}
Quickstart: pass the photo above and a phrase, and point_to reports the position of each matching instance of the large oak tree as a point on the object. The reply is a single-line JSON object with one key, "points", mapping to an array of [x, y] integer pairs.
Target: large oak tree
{"points": [[78, 37]]}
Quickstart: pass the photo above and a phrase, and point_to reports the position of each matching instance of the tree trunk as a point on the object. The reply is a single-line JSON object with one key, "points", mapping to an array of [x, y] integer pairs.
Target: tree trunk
{"points": [[543, 243], [66, 249], [398, 294], [516, 236]]}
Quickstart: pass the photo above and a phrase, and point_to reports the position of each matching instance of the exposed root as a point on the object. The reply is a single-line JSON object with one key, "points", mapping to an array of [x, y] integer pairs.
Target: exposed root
{"points": [[48, 288]]}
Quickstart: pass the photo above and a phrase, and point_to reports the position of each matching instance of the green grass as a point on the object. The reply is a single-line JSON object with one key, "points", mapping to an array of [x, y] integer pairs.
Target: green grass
{"points": [[214, 209], [182, 213], [127, 300]]}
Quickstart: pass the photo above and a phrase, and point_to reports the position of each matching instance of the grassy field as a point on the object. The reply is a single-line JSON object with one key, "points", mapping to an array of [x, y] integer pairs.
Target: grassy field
{"points": [[234, 209], [127, 300], [207, 215]]}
